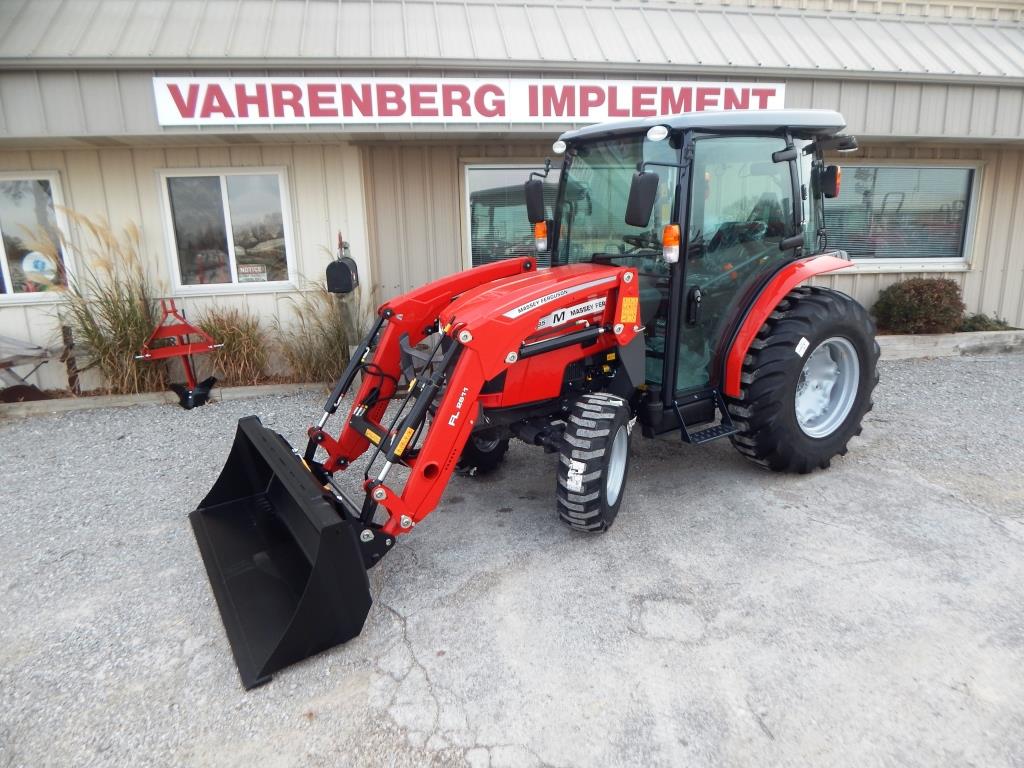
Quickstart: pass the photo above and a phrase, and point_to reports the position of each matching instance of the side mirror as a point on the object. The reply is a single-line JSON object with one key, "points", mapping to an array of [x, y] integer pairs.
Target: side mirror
{"points": [[829, 180], [643, 191], [534, 190]]}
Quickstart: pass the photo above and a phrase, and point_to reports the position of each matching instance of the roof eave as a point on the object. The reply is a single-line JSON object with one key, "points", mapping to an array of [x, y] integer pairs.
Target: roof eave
{"points": [[263, 65]]}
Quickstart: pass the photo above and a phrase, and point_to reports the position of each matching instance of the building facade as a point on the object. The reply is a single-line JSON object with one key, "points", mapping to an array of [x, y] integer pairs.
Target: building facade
{"points": [[239, 136]]}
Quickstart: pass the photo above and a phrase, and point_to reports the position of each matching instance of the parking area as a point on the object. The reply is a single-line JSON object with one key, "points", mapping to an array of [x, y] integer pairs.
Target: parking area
{"points": [[872, 614]]}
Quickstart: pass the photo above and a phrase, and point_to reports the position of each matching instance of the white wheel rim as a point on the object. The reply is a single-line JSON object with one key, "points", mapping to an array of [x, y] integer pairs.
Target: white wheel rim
{"points": [[827, 387], [616, 472]]}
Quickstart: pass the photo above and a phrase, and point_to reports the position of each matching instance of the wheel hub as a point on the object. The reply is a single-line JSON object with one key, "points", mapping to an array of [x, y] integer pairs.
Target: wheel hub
{"points": [[827, 387], [616, 465]]}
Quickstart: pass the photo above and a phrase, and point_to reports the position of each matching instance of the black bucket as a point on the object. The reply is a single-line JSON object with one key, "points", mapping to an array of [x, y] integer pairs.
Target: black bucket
{"points": [[284, 565]]}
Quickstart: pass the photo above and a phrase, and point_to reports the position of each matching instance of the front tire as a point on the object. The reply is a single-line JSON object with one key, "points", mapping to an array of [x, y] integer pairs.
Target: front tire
{"points": [[807, 382], [482, 454], [594, 462]]}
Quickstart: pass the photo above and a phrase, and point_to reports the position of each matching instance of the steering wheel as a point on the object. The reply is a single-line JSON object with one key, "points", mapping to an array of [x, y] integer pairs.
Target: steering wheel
{"points": [[644, 240]]}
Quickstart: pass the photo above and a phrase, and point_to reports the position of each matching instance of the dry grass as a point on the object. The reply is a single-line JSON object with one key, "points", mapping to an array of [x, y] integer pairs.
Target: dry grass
{"points": [[110, 306], [316, 346], [243, 359]]}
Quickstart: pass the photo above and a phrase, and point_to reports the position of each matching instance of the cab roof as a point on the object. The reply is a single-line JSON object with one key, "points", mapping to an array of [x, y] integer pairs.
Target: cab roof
{"points": [[803, 123]]}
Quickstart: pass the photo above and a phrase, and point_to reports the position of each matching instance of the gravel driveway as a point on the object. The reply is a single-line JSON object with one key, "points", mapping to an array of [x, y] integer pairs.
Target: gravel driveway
{"points": [[869, 615]]}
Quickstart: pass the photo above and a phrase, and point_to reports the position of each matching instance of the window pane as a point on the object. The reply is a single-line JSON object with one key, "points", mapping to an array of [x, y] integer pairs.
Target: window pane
{"points": [[257, 227], [892, 212], [498, 225], [31, 240], [198, 213]]}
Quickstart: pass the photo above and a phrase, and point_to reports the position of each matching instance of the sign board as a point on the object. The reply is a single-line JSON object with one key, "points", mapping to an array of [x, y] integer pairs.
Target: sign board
{"points": [[182, 101], [252, 273]]}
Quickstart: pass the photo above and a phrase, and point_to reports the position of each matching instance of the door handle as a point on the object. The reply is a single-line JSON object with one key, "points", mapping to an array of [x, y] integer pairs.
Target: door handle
{"points": [[693, 304]]}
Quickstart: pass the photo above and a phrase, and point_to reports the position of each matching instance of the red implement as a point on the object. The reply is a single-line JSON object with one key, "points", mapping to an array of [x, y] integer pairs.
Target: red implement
{"points": [[179, 332]]}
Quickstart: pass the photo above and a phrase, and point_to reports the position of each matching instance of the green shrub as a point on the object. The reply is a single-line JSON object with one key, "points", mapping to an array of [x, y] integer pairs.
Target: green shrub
{"points": [[982, 322], [110, 306], [920, 305], [315, 347], [243, 358]]}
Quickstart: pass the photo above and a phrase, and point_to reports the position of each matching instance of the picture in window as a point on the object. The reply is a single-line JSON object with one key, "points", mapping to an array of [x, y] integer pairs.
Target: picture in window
{"points": [[32, 257]]}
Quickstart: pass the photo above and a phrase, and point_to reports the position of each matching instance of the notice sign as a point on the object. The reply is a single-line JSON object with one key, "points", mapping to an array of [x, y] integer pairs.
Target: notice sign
{"points": [[252, 273], [367, 100]]}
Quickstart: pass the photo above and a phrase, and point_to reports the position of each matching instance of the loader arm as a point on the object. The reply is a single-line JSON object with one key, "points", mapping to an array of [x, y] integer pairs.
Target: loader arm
{"points": [[482, 334], [413, 314]]}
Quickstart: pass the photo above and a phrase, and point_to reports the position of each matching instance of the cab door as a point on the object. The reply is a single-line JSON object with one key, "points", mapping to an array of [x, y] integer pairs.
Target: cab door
{"points": [[740, 210]]}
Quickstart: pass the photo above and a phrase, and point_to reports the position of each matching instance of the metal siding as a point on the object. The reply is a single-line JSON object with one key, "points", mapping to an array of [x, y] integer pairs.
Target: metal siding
{"points": [[318, 31], [853, 103], [1009, 103], [389, 31], [486, 31], [415, 207], [833, 41], [747, 28], [551, 39], [637, 33], [932, 116], [984, 102], [353, 30], [668, 37], [605, 26], [213, 35], [959, 107], [178, 28], [799, 94], [878, 108], [839, 38], [906, 109], [101, 101], [453, 31], [34, 21], [425, 42], [22, 104], [136, 98]]}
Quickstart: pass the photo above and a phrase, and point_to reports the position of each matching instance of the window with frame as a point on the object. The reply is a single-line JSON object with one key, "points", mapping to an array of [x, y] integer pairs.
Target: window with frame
{"points": [[32, 257], [498, 225], [229, 228], [901, 212]]}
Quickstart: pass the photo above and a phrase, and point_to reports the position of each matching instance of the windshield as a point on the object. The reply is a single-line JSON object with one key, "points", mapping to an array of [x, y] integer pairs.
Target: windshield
{"points": [[592, 220]]}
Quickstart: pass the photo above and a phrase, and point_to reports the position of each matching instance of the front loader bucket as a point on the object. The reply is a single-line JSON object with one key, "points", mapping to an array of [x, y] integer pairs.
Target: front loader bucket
{"points": [[284, 565]]}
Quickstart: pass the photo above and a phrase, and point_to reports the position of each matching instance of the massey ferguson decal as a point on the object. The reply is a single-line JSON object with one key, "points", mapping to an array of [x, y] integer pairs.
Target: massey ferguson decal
{"points": [[562, 316], [529, 306], [362, 100]]}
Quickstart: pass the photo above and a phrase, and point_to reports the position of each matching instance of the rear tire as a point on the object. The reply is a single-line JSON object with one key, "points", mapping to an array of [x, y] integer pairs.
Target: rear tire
{"points": [[594, 462], [807, 381], [482, 454]]}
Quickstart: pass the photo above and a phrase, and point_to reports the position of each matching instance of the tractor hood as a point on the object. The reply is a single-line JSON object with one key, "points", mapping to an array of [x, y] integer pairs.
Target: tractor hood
{"points": [[537, 292]]}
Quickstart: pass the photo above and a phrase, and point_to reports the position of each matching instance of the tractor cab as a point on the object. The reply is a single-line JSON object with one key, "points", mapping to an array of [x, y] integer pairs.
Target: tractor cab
{"points": [[707, 207]]}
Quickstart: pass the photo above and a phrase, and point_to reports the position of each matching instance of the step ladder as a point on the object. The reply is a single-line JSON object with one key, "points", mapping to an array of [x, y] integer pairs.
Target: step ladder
{"points": [[723, 428]]}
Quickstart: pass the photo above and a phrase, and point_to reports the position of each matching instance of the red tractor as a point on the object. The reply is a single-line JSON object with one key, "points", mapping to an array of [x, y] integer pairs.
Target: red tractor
{"points": [[674, 302]]}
